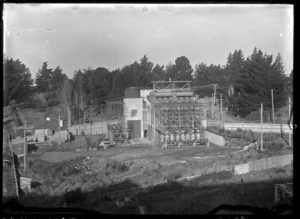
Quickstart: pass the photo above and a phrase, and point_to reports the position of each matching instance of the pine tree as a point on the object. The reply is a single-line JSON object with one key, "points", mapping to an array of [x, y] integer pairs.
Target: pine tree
{"points": [[253, 85], [145, 72], [17, 82], [183, 69], [43, 79], [57, 79], [158, 73], [234, 65]]}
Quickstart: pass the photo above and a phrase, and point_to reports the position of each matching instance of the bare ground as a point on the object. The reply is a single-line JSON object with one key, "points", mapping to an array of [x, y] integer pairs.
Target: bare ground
{"points": [[143, 164]]}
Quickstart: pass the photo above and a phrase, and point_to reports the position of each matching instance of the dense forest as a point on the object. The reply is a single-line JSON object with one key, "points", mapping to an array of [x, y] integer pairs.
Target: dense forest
{"points": [[243, 82]]}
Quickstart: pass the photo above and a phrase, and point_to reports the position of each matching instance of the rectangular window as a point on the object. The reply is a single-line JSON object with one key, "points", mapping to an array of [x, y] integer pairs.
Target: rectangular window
{"points": [[133, 113]]}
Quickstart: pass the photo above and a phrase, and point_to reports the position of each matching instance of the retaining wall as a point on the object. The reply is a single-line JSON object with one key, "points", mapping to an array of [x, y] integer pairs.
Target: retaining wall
{"points": [[215, 138]]}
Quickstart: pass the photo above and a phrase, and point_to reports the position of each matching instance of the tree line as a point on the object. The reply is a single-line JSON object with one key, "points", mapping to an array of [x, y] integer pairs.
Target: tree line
{"points": [[244, 82]]}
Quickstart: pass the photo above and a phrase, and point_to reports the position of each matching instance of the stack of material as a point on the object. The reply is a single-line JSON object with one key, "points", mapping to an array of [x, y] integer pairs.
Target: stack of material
{"points": [[84, 167], [116, 133], [25, 184]]}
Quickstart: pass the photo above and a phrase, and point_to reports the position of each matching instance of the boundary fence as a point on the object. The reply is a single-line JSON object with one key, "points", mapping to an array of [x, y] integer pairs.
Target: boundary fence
{"points": [[264, 164]]}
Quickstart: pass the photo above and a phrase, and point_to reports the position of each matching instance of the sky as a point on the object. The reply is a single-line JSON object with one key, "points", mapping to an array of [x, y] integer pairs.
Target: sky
{"points": [[78, 36]]}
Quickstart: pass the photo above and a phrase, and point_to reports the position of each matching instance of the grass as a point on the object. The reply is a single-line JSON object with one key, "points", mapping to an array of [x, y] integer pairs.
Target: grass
{"points": [[272, 141], [196, 196]]}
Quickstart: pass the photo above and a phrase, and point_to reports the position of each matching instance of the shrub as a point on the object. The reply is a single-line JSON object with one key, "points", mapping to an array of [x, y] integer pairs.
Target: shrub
{"points": [[173, 176], [275, 145], [73, 196], [122, 167], [116, 166], [222, 130], [239, 130], [280, 170], [70, 171]]}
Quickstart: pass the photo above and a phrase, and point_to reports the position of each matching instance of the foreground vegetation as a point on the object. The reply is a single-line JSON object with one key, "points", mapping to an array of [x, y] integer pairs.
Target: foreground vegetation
{"points": [[174, 197]]}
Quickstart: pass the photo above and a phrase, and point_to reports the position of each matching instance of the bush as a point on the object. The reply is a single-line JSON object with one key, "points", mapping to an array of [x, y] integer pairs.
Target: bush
{"points": [[222, 130], [239, 130], [73, 196], [173, 176], [70, 171], [276, 145], [116, 166]]}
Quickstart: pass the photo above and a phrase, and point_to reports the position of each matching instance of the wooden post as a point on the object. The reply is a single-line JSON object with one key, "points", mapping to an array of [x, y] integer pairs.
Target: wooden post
{"points": [[69, 117], [212, 107], [272, 106], [261, 127], [59, 126], [25, 148], [221, 108], [69, 121], [13, 164], [290, 136], [91, 142], [215, 92], [91, 124], [154, 129]]}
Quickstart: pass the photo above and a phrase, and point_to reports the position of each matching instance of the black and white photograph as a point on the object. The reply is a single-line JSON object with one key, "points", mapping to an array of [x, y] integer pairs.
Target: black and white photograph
{"points": [[177, 109]]}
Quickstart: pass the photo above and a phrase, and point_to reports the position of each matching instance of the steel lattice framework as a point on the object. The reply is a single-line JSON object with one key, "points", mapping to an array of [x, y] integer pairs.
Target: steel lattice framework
{"points": [[180, 122], [184, 116], [178, 114]]}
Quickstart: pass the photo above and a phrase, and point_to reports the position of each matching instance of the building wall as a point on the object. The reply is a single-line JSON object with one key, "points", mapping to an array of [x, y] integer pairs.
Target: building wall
{"points": [[97, 127], [134, 104]]}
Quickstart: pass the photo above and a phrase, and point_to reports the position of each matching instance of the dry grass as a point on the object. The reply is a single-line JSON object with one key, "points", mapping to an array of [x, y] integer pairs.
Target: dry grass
{"points": [[143, 165]]}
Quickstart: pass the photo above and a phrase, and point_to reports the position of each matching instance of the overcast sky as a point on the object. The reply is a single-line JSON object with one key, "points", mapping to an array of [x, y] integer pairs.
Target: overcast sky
{"points": [[112, 36]]}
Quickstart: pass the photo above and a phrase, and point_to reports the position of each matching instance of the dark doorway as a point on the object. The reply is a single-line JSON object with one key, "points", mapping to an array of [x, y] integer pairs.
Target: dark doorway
{"points": [[134, 129]]}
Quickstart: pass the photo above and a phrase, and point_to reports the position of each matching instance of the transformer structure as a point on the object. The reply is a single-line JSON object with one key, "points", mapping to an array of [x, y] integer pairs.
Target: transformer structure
{"points": [[177, 115]]}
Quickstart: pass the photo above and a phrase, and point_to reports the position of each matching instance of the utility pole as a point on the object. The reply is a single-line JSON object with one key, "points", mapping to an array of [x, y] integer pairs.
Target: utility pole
{"points": [[221, 108], [84, 117], [261, 127], [91, 125], [215, 91], [212, 107], [272, 106], [290, 136], [69, 116], [25, 148], [69, 120], [59, 126]]}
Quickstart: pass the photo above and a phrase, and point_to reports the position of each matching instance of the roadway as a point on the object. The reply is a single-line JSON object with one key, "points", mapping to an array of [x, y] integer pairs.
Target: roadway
{"points": [[256, 127]]}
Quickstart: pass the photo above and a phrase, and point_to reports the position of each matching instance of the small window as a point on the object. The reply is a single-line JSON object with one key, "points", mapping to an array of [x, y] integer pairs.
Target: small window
{"points": [[133, 113]]}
